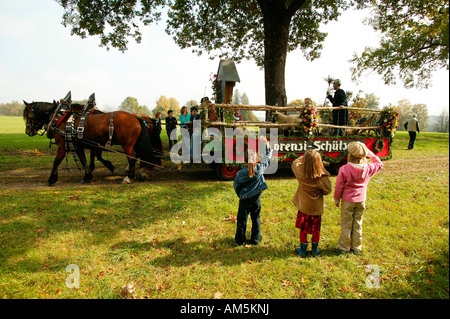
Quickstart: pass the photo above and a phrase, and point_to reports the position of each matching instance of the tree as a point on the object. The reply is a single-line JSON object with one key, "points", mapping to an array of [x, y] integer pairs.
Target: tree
{"points": [[244, 99], [373, 101], [442, 124], [13, 108], [262, 30], [164, 104], [190, 104], [247, 115], [422, 115], [174, 106], [236, 97], [404, 113], [406, 109], [415, 41], [130, 104], [297, 102]]}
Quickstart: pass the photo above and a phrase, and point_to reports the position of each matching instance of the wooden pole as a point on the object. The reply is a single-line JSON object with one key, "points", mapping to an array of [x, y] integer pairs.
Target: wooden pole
{"points": [[277, 125], [288, 108]]}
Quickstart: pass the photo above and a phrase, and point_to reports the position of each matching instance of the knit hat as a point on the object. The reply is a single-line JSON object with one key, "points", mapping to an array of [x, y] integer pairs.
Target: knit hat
{"points": [[358, 149]]}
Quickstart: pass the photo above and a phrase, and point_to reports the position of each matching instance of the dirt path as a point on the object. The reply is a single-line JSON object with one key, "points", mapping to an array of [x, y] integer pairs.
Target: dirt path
{"points": [[408, 165], [33, 177]]}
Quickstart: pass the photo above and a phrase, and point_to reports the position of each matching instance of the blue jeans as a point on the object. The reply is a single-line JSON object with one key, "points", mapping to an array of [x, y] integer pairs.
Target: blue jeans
{"points": [[248, 206]]}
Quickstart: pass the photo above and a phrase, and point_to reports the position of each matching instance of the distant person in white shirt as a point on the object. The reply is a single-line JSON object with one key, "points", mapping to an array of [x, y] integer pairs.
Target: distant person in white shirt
{"points": [[412, 126]]}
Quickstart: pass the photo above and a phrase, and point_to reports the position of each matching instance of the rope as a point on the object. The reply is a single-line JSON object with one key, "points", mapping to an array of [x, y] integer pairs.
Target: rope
{"points": [[118, 152]]}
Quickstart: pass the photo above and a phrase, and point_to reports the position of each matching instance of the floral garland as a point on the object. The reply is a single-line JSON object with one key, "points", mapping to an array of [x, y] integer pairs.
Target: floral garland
{"points": [[216, 87], [308, 120], [389, 120]]}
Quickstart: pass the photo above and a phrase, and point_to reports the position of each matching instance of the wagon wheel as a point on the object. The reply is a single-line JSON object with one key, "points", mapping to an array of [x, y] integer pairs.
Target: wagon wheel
{"points": [[225, 172]]}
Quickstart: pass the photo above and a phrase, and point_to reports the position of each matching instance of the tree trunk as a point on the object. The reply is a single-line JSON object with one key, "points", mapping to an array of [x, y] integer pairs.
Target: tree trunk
{"points": [[276, 33], [277, 18]]}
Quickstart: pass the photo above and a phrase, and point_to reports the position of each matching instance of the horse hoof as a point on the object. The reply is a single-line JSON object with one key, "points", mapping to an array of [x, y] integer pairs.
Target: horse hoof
{"points": [[126, 180]]}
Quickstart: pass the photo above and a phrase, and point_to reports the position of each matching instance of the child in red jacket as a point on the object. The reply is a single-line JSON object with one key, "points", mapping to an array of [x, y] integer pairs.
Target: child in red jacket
{"points": [[351, 188]]}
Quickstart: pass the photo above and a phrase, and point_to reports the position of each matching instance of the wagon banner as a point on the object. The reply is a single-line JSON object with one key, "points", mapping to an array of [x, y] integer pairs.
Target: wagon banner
{"points": [[330, 148], [322, 146]]}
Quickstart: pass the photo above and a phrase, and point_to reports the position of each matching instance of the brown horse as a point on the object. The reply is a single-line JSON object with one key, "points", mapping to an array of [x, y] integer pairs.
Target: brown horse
{"points": [[129, 132], [44, 122]]}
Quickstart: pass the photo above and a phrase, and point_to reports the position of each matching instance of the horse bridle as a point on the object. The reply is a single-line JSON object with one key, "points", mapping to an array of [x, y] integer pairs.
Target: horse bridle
{"points": [[32, 117]]}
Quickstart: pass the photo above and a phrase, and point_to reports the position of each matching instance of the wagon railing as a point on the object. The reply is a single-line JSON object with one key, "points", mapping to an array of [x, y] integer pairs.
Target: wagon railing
{"points": [[287, 108]]}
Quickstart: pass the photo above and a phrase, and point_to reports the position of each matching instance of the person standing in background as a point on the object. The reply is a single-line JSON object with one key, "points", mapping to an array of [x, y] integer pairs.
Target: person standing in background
{"points": [[171, 124], [412, 126]]}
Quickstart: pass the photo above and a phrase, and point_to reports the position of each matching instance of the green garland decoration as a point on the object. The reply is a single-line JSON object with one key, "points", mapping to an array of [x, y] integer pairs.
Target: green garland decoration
{"points": [[378, 145], [228, 116]]}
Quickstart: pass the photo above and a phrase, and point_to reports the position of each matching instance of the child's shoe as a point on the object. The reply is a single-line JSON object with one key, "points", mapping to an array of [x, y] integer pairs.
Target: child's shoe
{"points": [[356, 252], [315, 249], [302, 249]]}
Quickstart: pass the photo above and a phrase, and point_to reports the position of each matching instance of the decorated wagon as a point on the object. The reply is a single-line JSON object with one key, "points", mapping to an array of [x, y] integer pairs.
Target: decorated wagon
{"points": [[304, 131]]}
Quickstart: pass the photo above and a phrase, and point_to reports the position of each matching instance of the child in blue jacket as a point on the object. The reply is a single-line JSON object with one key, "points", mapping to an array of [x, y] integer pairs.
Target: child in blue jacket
{"points": [[249, 183]]}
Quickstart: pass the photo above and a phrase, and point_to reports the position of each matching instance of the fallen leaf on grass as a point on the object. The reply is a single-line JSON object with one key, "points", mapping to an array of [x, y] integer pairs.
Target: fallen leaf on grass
{"points": [[286, 282], [231, 218], [128, 291], [217, 295]]}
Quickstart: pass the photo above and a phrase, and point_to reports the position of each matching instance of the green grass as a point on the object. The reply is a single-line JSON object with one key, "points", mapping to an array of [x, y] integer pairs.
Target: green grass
{"points": [[175, 239]]}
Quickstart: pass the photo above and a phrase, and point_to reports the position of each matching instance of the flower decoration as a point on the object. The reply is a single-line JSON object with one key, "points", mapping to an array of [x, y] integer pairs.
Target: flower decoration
{"points": [[389, 121], [308, 118], [216, 87]]}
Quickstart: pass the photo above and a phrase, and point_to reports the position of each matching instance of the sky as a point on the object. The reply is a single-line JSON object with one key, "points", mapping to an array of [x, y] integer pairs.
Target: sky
{"points": [[41, 61]]}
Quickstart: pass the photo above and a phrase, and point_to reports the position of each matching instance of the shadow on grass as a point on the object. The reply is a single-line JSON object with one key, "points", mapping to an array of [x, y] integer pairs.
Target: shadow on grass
{"points": [[218, 251], [34, 219]]}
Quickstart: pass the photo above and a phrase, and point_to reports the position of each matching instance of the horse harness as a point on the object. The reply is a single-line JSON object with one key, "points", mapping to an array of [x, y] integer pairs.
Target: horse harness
{"points": [[71, 135]]}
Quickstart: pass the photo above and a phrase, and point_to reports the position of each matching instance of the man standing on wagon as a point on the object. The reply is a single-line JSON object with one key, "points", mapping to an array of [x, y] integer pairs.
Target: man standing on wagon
{"points": [[340, 116]]}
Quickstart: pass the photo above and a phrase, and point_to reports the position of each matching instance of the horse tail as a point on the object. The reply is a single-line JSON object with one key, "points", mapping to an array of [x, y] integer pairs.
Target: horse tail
{"points": [[143, 145], [155, 139]]}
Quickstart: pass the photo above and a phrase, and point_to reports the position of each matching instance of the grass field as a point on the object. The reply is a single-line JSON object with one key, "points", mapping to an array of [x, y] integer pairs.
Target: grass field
{"points": [[173, 237]]}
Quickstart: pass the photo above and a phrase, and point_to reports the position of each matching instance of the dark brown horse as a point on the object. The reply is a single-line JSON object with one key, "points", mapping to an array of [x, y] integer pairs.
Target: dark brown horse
{"points": [[49, 110], [129, 132]]}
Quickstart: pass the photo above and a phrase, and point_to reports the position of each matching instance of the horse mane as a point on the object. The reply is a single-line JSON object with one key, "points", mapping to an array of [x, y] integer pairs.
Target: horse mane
{"points": [[45, 106]]}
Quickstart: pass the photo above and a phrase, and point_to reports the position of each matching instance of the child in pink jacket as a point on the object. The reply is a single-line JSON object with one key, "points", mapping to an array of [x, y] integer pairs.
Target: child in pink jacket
{"points": [[351, 188]]}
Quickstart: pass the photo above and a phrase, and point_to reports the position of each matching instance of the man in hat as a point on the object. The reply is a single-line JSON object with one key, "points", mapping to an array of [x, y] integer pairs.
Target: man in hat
{"points": [[412, 126], [340, 116]]}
